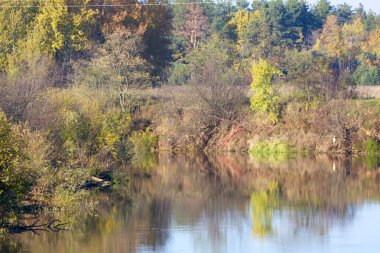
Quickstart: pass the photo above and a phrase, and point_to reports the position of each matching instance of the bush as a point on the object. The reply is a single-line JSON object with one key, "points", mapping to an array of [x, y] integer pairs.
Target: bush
{"points": [[180, 73], [10, 186], [271, 148], [371, 147], [80, 114], [113, 136], [144, 141], [218, 89], [23, 161], [367, 75]]}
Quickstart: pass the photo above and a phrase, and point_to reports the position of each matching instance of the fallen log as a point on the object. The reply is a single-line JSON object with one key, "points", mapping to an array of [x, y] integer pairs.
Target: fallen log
{"points": [[53, 226], [96, 182]]}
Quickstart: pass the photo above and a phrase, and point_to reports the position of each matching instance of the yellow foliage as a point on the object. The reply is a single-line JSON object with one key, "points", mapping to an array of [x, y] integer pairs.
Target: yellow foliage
{"points": [[263, 204], [331, 40], [241, 20], [60, 27], [373, 44], [265, 98], [353, 36]]}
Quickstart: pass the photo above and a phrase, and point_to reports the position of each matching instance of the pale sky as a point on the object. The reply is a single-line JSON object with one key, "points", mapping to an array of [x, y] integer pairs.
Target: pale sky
{"points": [[368, 4]]}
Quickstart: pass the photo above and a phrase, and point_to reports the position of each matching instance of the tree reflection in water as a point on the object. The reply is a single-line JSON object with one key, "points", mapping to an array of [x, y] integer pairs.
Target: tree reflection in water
{"points": [[206, 201], [263, 204]]}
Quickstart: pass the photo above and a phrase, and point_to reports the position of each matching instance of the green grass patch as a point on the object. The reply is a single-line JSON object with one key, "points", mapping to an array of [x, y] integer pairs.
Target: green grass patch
{"points": [[369, 104], [277, 149], [271, 147], [144, 141], [371, 147]]}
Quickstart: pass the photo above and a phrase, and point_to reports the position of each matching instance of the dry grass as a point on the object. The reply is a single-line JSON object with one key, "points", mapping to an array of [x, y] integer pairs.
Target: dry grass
{"points": [[368, 91]]}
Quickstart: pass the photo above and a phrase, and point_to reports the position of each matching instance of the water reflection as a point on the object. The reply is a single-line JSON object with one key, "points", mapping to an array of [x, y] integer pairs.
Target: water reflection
{"points": [[223, 203], [263, 204]]}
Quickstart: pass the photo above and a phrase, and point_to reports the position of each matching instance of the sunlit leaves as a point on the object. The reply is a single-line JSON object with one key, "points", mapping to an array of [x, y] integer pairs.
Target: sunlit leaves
{"points": [[265, 98]]}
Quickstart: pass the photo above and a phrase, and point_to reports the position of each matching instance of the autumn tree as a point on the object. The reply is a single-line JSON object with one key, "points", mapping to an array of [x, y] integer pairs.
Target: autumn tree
{"points": [[265, 98], [353, 38], [153, 22], [14, 26], [240, 22], [157, 23], [372, 48], [62, 30], [195, 27], [368, 72], [331, 41]]}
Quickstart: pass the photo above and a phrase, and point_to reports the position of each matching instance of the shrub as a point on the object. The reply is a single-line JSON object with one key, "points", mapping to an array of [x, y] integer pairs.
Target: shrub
{"points": [[23, 160], [8, 147], [113, 136], [367, 75], [271, 148], [372, 147], [80, 114], [144, 141], [10, 186], [218, 89], [180, 73]]}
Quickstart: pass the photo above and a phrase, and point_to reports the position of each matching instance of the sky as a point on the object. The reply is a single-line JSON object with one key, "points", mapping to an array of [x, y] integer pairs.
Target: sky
{"points": [[368, 4]]}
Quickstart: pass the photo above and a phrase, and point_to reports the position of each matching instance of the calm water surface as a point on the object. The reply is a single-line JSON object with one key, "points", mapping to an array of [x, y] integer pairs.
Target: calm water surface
{"points": [[224, 203]]}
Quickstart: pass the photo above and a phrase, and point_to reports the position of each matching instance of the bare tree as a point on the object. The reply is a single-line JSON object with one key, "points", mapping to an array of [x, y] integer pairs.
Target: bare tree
{"points": [[19, 90], [218, 91]]}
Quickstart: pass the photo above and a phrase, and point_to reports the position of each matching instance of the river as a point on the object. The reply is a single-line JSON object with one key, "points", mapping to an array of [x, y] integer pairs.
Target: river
{"points": [[223, 203]]}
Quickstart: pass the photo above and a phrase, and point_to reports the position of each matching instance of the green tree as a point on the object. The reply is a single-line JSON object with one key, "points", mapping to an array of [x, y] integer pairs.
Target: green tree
{"points": [[265, 98], [276, 14], [118, 66], [219, 13], [310, 73], [344, 13], [256, 39], [321, 10], [371, 20], [298, 21]]}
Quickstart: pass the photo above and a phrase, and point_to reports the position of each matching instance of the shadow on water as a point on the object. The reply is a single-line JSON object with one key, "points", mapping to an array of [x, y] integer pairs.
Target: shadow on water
{"points": [[212, 203]]}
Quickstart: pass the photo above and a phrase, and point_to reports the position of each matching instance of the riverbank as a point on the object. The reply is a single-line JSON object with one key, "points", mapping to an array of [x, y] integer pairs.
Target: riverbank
{"points": [[345, 127], [52, 168]]}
